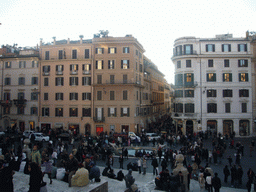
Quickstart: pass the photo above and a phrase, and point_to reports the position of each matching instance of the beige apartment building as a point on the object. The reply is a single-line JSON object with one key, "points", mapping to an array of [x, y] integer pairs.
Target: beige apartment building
{"points": [[98, 85], [19, 88]]}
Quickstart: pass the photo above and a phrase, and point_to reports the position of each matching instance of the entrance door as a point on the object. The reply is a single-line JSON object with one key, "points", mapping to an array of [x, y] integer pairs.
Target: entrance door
{"points": [[212, 126], [227, 127], [125, 128], [189, 127], [87, 129], [99, 129]]}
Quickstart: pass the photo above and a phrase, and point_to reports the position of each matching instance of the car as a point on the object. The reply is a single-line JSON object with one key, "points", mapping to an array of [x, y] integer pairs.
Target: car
{"points": [[27, 133], [40, 137], [151, 136]]}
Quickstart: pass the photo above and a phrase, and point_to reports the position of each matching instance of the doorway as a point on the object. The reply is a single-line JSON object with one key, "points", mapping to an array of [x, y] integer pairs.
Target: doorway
{"points": [[125, 128], [189, 127], [227, 127]]}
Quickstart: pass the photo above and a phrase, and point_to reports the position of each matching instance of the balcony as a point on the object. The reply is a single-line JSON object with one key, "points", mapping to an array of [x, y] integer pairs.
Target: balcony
{"points": [[6, 103], [182, 53], [59, 72], [188, 85], [20, 102], [86, 72], [46, 73], [99, 119], [73, 72]]}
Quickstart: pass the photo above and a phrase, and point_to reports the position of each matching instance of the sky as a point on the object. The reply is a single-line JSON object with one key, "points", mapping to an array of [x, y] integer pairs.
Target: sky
{"points": [[155, 24]]}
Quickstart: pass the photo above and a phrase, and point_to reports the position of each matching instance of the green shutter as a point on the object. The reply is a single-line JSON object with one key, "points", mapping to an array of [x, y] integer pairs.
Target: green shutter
{"points": [[230, 77]]}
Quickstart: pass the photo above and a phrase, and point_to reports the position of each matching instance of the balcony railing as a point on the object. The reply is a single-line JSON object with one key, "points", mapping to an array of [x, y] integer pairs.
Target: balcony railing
{"points": [[99, 119], [46, 73], [184, 53], [73, 72], [59, 72], [6, 103], [86, 72], [191, 85], [18, 102]]}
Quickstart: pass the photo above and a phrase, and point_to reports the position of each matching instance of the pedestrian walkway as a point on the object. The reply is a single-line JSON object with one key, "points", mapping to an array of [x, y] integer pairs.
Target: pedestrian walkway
{"points": [[145, 183]]}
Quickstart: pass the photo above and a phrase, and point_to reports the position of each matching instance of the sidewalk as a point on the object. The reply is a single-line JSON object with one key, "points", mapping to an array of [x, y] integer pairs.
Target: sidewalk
{"points": [[146, 183]]}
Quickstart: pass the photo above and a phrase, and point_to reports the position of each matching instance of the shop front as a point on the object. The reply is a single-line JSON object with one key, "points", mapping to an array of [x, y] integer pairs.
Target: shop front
{"points": [[212, 126], [74, 128], [228, 127], [99, 129]]}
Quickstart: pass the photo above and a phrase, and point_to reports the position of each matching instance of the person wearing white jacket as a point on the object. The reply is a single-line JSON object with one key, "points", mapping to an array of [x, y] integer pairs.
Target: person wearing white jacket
{"points": [[139, 165]]}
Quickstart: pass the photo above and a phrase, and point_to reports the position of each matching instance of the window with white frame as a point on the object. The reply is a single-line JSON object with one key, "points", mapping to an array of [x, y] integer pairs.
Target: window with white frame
{"points": [[73, 96], [21, 80], [99, 64], [86, 96], [112, 112], [124, 64], [34, 81], [112, 50], [126, 50], [22, 64], [86, 80], [59, 81], [45, 112], [58, 96], [8, 64], [73, 81], [111, 64], [99, 50]]}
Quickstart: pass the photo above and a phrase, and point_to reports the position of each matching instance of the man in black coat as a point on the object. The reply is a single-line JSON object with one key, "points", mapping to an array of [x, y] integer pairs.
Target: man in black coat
{"points": [[155, 165], [226, 173], [216, 182]]}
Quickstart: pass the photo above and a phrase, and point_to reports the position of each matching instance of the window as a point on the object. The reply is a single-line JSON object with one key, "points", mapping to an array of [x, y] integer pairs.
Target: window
{"points": [[112, 95], [227, 93], [74, 54], [137, 52], [34, 96], [210, 62], [99, 50], [99, 79], [99, 64], [188, 79], [124, 64], [178, 64], [86, 96], [45, 112], [20, 110], [243, 77], [226, 62], [112, 79], [22, 64], [7, 96], [178, 50], [99, 95], [141, 68], [189, 108], [46, 69], [45, 96], [6, 110], [21, 80], [244, 127], [73, 68], [34, 81], [99, 114], [8, 64], [227, 107], [86, 112], [211, 108], [178, 93], [58, 96], [112, 112], [21, 96], [73, 96], [125, 112], [86, 53], [7, 81], [59, 112], [179, 79], [59, 69], [244, 107], [126, 50], [34, 64], [242, 63], [111, 64], [125, 79], [226, 47], [33, 110], [60, 54], [59, 81], [73, 112], [242, 47], [73, 81], [86, 68], [210, 48], [125, 95], [86, 80], [211, 77], [188, 49], [47, 55], [178, 108], [243, 93], [227, 77], [188, 63], [189, 93], [112, 50]]}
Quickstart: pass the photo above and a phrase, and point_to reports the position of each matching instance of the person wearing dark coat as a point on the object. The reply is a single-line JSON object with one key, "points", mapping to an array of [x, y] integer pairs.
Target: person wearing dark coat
{"points": [[226, 173], [121, 161], [164, 164], [120, 176], [71, 167], [216, 182], [36, 177], [239, 174], [6, 178], [154, 163], [159, 153], [233, 174]]}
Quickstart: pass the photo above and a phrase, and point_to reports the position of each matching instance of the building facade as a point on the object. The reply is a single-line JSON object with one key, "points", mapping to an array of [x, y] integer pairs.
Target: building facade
{"points": [[19, 88], [213, 85]]}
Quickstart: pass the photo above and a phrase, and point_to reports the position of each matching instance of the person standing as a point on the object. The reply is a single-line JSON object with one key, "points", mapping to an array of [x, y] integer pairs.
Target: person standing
{"points": [[208, 183], [164, 164], [139, 165], [154, 163], [160, 153], [144, 165], [35, 155], [226, 173], [230, 160], [201, 181], [121, 162], [216, 182], [239, 174], [233, 175], [36, 178]]}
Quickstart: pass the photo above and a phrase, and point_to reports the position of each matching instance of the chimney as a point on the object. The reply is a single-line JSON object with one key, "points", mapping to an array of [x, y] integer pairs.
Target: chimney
{"points": [[81, 39]]}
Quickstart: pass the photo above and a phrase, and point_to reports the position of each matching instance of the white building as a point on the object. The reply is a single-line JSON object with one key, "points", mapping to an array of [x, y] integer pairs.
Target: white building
{"points": [[213, 85]]}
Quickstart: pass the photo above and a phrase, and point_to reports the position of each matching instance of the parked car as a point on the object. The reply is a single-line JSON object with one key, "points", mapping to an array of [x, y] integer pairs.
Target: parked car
{"points": [[151, 136], [27, 133], [40, 137]]}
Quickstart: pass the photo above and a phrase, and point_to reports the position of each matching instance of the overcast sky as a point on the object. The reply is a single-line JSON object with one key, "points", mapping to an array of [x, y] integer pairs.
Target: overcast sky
{"points": [[155, 24]]}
